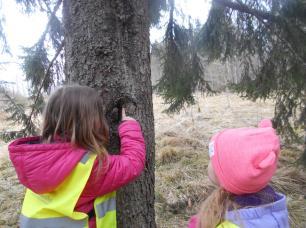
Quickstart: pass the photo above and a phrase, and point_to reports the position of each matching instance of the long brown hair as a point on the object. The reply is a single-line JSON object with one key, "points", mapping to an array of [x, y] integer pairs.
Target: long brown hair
{"points": [[214, 208], [75, 113]]}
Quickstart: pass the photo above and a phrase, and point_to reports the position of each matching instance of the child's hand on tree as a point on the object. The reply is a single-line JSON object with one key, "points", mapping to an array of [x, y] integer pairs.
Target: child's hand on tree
{"points": [[124, 117]]}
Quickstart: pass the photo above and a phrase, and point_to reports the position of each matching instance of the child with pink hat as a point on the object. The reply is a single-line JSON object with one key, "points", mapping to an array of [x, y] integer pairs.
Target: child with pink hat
{"points": [[242, 163]]}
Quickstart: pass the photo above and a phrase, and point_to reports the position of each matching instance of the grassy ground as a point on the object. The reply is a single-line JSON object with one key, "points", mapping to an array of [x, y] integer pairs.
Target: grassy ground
{"points": [[181, 160], [11, 192]]}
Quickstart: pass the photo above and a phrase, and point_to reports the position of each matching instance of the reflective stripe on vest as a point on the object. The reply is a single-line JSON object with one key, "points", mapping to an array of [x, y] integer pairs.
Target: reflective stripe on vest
{"points": [[105, 208], [63, 222], [52, 210]]}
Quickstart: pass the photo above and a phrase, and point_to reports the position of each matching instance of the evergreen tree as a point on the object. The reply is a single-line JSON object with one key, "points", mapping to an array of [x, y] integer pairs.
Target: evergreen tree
{"points": [[44, 69], [41, 72], [269, 38], [107, 47], [182, 69], [120, 71]]}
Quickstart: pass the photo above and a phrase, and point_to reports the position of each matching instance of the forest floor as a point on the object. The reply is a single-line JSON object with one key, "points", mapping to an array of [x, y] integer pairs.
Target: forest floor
{"points": [[181, 160]]}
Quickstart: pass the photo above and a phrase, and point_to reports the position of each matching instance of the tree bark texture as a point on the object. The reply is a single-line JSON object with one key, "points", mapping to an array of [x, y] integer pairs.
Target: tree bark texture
{"points": [[107, 48]]}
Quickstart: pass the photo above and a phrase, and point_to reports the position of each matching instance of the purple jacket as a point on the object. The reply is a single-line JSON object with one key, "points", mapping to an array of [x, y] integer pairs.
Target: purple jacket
{"points": [[272, 215]]}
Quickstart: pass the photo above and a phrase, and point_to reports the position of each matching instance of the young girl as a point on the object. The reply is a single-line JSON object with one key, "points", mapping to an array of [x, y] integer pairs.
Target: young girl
{"points": [[242, 163], [69, 176]]}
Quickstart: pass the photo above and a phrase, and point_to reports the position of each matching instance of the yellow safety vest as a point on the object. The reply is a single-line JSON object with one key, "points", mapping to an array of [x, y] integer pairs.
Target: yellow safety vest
{"points": [[227, 224], [56, 209]]}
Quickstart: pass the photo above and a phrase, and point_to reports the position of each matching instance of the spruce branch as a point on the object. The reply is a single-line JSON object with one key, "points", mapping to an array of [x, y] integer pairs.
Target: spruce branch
{"points": [[155, 9], [18, 115], [44, 79], [286, 42], [182, 69], [49, 9], [240, 6], [262, 16], [52, 15]]}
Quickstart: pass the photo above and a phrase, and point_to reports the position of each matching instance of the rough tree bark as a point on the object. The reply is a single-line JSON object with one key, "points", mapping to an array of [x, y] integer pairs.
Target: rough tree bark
{"points": [[107, 48]]}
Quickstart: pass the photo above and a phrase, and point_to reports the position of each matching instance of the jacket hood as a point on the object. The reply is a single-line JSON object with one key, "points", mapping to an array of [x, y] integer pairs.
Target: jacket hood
{"points": [[42, 167], [269, 215]]}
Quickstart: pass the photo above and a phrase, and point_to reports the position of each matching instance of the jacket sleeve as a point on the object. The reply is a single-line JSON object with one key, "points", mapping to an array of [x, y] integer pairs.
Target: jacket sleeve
{"points": [[192, 223], [118, 170]]}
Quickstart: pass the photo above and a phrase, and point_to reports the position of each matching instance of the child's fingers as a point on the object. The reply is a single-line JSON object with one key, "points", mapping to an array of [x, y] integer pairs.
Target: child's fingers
{"points": [[124, 117], [123, 113], [128, 118]]}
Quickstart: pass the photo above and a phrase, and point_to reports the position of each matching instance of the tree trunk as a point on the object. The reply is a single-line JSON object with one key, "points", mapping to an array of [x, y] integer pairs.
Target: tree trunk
{"points": [[107, 48], [303, 158]]}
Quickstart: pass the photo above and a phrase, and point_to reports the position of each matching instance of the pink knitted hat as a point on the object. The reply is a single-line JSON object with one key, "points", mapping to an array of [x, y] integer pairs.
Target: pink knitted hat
{"points": [[245, 159]]}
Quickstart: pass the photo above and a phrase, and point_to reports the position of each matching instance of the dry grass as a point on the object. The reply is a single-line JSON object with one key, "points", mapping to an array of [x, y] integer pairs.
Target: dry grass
{"points": [[11, 192], [182, 157]]}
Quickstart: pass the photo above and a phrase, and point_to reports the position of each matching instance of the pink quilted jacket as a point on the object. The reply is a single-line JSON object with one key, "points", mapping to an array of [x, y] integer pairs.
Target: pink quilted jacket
{"points": [[42, 167]]}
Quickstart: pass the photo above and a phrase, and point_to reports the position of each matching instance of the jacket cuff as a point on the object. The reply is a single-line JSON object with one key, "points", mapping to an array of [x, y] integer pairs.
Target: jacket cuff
{"points": [[129, 125]]}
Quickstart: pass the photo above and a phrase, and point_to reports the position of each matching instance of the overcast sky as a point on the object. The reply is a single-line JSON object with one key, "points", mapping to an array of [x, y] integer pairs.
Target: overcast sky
{"points": [[24, 30]]}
